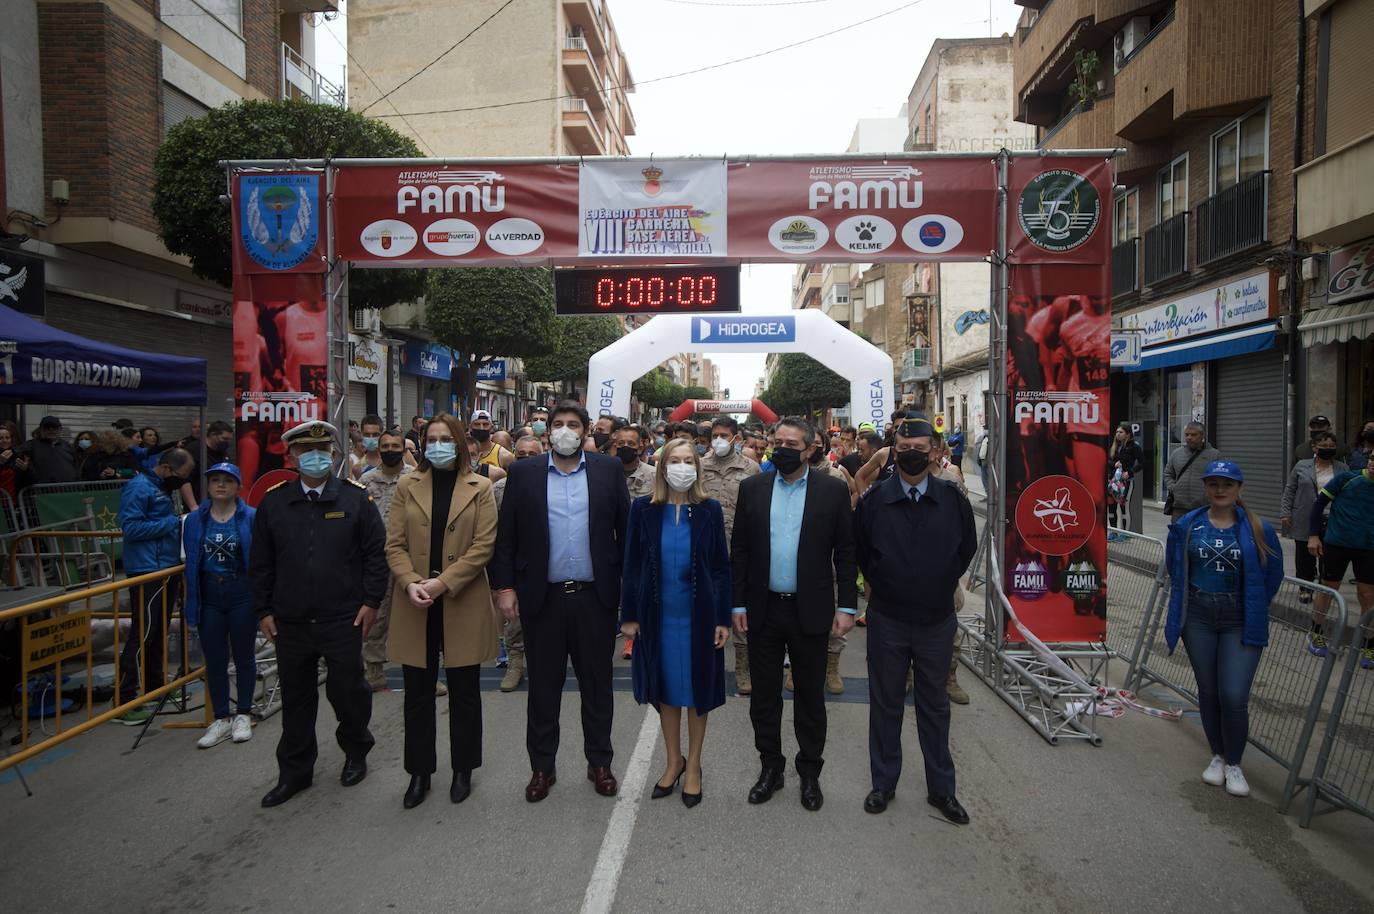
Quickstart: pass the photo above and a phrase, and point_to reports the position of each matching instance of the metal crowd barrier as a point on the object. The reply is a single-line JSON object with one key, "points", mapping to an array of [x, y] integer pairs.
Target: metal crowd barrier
{"points": [[43, 553], [1137, 584], [1343, 776], [56, 636], [1289, 691]]}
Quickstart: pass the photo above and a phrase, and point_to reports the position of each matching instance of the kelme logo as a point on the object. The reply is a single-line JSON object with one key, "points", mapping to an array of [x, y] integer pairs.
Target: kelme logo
{"points": [[1059, 210]]}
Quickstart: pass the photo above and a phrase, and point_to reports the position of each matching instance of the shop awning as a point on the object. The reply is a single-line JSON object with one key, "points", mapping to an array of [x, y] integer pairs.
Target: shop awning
{"points": [[1337, 324], [1219, 346]]}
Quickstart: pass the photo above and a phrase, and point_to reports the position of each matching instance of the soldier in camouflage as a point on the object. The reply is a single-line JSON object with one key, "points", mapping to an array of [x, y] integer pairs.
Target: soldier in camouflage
{"points": [[627, 444], [722, 470], [381, 486]]}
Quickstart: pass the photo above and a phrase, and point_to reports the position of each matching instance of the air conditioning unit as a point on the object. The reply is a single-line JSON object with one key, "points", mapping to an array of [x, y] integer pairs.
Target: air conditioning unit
{"points": [[367, 321], [1126, 40]]}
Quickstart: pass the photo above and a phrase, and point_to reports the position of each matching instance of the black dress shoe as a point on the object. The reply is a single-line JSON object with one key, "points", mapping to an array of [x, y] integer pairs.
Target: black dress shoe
{"points": [[281, 793], [461, 788], [415, 793], [769, 783], [811, 796], [877, 801], [950, 809], [691, 799], [354, 770], [659, 791]]}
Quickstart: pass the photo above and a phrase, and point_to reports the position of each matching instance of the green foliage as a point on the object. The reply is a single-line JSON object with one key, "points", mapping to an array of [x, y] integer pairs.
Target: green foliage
{"points": [[188, 182], [1084, 86], [575, 341], [803, 385], [657, 391], [697, 393]]}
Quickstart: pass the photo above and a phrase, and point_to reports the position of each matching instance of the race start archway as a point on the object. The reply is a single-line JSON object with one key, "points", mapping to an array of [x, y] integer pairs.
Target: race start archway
{"points": [[867, 368], [723, 408]]}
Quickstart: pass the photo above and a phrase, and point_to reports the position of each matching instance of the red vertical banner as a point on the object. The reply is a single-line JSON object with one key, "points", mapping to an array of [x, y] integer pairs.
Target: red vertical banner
{"points": [[1058, 396]]}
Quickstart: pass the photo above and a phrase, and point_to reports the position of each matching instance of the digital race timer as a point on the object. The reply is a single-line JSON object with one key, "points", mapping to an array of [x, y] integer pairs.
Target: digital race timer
{"points": [[646, 290]]}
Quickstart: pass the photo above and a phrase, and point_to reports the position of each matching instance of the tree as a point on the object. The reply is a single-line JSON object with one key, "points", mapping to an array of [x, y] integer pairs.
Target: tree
{"points": [[803, 385], [483, 313], [697, 393], [188, 181], [575, 341], [656, 390]]}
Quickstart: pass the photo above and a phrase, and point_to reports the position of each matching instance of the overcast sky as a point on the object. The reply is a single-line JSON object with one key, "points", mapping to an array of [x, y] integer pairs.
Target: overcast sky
{"points": [[803, 99]]}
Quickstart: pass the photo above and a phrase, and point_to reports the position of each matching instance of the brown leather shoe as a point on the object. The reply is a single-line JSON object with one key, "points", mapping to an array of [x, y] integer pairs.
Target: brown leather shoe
{"points": [[538, 787], [601, 776]]}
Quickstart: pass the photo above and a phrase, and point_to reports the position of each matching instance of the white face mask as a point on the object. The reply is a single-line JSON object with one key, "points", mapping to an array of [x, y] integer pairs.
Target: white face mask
{"points": [[720, 446], [681, 476], [565, 441]]}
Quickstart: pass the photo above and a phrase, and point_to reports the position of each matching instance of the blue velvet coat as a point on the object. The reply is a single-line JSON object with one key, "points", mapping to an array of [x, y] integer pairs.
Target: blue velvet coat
{"points": [[640, 599]]}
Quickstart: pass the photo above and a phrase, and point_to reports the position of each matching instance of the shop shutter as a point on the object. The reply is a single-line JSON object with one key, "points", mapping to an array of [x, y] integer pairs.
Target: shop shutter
{"points": [[1249, 426]]}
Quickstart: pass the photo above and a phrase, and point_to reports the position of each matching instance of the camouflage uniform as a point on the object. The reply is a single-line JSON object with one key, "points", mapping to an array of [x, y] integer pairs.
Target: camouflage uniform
{"points": [[720, 478], [510, 631], [381, 487], [641, 481]]}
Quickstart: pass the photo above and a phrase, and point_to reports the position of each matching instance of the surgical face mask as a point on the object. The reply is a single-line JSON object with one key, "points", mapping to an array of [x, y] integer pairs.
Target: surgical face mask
{"points": [[720, 446], [315, 464], [659, 441], [392, 458], [539, 427], [565, 441], [371, 443], [912, 463], [627, 455], [681, 476], [441, 454], [787, 460], [481, 435], [701, 450], [84, 443]]}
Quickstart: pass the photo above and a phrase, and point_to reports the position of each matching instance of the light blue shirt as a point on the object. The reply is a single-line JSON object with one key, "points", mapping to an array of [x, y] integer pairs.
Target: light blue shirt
{"points": [[920, 487], [570, 551]]}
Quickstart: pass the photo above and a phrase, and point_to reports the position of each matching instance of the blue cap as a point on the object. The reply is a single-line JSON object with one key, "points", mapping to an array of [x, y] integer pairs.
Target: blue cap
{"points": [[228, 468], [1226, 469]]}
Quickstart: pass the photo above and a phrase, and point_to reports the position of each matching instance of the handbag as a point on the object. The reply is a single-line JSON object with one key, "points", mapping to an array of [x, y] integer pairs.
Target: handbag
{"points": [[1169, 500]]}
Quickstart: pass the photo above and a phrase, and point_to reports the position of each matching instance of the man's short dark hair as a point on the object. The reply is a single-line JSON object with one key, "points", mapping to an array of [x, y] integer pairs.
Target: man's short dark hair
{"points": [[727, 421], [850, 430], [371, 419], [392, 432], [219, 427], [806, 428], [577, 409], [121, 424], [617, 422], [874, 440], [177, 459]]}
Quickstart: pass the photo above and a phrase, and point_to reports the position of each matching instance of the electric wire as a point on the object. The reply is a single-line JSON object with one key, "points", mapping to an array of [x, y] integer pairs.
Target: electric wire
{"points": [[419, 136]]}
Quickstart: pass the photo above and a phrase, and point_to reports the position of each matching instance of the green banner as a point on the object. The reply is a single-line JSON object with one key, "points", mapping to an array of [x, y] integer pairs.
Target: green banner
{"points": [[53, 507]]}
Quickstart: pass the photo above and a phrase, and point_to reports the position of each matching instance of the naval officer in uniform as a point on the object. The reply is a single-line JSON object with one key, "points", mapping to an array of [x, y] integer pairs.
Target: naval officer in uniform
{"points": [[318, 573]]}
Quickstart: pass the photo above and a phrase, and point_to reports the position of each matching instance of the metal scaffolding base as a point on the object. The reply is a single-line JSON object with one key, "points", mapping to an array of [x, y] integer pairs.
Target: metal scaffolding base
{"points": [[1052, 704]]}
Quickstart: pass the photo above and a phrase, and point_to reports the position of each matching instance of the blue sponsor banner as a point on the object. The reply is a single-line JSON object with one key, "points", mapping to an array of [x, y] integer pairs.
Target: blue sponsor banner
{"points": [[279, 219], [495, 370], [744, 330], [427, 360]]}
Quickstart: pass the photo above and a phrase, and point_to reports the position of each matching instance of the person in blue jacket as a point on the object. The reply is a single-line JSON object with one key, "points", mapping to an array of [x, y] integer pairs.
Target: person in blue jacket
{"points": [[675, 602], [152, 542], [218, 537], [1225, 566]]}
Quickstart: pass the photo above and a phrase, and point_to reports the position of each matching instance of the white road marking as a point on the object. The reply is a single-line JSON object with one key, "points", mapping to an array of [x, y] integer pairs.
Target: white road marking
{"points": [[605, 879]]}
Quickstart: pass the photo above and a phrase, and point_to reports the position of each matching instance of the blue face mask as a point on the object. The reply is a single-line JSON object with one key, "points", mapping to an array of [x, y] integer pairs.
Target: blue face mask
{"points": [[371, 444], [701, 450], [539, 427], [315, 464], [441, 453]]}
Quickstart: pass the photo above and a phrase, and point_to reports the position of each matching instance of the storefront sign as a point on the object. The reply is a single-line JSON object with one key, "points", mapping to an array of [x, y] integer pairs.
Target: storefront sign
{"points": [[364, 360], [495, 370], [427, 360], [1235, 304], [1351, 271], [21, 282]]}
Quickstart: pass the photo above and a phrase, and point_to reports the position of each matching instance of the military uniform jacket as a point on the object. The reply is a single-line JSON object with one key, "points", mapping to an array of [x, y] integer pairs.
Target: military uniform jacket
{"points": [[720, 478], [318, 560], [641, 481]]}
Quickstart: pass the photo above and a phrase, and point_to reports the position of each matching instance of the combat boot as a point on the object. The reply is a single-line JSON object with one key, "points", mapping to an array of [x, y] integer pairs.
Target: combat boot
{"points": [[743, 684], [955, 691], [376, 677], [515, 671], [833, 683]]}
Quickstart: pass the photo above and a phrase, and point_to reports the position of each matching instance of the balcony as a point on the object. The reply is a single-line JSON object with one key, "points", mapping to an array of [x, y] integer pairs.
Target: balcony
{"points": [[579, 70], [1335, 195], [1233, 220], [916, 365], [1126, 268], [1083, 128], [300, 80], [1166, 249], [581, 129], [587, 16]]}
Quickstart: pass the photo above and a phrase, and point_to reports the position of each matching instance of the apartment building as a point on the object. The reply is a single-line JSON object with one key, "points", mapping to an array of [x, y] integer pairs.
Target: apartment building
{"points": [[1202, 96], [90, 90]]}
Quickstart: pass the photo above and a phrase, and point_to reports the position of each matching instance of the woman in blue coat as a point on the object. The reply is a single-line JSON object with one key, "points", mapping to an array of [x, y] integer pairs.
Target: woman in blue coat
{"points": [[675, 603], [1225, 565], [218, 537]]}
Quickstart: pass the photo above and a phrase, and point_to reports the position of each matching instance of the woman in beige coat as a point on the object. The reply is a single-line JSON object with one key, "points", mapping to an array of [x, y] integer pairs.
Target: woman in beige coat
{"points": [[441, 532]]}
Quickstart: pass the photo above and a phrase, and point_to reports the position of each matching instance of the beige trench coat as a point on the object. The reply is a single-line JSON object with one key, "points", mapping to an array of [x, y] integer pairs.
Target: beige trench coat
{"points": [[470, 628]]}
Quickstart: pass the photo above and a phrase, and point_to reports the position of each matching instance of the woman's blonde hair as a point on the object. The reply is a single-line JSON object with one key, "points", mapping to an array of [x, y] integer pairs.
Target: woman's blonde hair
{"points": [[696, 494], [111, 443], [1257, 531]]}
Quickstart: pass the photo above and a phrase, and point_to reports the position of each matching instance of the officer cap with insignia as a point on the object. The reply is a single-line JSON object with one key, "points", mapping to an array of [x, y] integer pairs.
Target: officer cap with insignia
{"points": [[313, 432], [914, 427]]}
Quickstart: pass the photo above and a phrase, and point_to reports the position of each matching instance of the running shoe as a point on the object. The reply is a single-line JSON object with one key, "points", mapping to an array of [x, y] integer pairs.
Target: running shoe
{"points": [[1316, 644], [1215, 773], [1367, 658]]}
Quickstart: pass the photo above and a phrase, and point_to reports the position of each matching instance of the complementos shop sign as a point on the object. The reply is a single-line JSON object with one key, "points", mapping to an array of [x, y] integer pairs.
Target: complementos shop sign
{"points": [[1247, 300]]}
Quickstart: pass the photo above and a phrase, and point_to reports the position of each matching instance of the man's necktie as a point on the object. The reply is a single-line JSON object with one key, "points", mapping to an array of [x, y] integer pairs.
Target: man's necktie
{"points": [[315, 496]]}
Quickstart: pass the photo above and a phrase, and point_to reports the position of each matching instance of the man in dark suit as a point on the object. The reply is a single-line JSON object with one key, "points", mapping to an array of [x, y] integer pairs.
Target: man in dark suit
{"points": [[791, 546], [559, 547], [915, 537]]}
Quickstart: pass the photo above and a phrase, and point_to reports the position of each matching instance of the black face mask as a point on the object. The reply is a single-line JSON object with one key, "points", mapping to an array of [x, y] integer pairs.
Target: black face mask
{"points": [[787, 460], [392, 458], [600, 439], [1368, 436], [481, 435], [1326, 453], [627, 455], [912, 463], [172, 483]]}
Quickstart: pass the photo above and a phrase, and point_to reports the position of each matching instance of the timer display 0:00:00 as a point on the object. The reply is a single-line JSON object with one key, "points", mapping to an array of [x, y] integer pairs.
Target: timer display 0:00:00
{"points": [[656, 291]]}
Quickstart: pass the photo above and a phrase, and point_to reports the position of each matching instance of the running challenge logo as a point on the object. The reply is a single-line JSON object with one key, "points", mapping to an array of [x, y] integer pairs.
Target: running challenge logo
{"points": [[279, 218], [1055, 515], [1059, 210]]}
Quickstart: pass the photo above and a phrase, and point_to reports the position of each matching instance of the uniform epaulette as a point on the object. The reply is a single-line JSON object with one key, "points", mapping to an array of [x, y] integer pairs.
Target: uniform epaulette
{"points": [[277, 486], [356, 483]]}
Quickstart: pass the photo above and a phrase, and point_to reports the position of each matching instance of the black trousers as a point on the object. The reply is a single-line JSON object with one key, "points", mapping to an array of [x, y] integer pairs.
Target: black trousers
{"points": [[780, 634], [464, 706], [147, 639], [572, 625], [893, 646], [300, 645]]}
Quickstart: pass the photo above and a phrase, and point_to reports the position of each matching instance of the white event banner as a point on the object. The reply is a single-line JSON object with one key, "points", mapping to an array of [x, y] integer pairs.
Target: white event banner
{"points": [[630, 209], [1244, 301]]}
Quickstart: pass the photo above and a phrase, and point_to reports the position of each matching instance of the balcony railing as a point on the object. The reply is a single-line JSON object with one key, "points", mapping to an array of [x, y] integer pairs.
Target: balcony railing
{"points": [[916, 365], [1166, 249], [577, 105], [1126, 267], [1233, 220], [575, 43], [300, 80]]}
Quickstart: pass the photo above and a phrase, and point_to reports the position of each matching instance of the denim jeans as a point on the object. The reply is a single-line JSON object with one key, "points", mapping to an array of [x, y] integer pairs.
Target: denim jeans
{"points": [[227, 624], [1224, 668]]}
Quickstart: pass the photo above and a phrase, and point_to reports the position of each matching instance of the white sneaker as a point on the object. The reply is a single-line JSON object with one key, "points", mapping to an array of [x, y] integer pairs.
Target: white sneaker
{"points": [[1215, 773], [217, 733], [1235, 782], [243, 728]]}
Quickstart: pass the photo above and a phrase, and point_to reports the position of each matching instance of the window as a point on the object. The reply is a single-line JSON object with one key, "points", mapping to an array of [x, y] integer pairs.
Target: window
{"points": [[925, 126], [1240, 150], [1173, 189], [177, 106], [1127, 224]]}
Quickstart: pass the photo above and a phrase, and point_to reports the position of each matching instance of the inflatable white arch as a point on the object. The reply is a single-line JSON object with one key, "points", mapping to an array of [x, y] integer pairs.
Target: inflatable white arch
{"points": [[867, 368]]}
